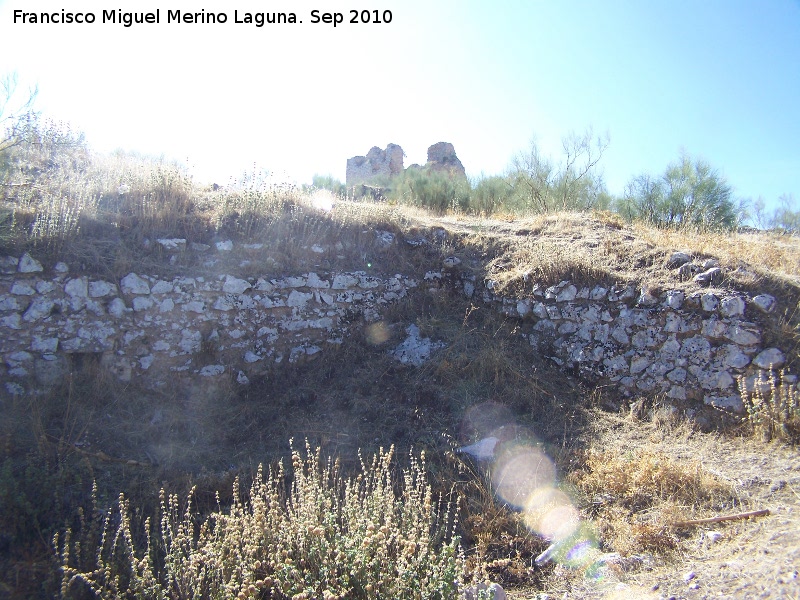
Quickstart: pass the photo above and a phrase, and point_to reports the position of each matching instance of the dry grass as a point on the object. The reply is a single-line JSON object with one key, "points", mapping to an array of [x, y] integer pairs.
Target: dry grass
{"points": [[633, 497], [770, 253]]}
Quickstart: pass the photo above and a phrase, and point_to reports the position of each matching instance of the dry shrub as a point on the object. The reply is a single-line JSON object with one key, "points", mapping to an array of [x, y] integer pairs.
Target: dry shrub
{"points": [[325, 537], [773, 407]]}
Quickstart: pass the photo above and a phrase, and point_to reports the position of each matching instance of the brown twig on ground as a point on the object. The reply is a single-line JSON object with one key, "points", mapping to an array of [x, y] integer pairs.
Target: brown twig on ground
{"points": [[736, 517]]}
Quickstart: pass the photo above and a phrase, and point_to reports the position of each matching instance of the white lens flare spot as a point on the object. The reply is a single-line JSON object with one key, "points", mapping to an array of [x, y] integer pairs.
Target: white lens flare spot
{"points": [[377, 333], [322, 200], [550, 513], [519, 472]]}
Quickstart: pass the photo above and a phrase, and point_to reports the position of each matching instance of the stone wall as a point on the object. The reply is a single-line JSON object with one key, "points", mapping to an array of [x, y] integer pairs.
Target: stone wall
{"points": [[691, 348], [154, 328], [377, 162]]}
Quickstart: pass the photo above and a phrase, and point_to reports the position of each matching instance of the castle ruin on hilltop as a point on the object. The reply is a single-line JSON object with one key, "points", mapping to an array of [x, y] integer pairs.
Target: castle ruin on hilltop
{"points": [[389, 163]]}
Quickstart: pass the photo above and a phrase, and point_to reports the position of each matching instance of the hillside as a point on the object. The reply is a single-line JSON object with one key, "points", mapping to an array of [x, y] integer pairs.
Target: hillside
{"points": [[155, 334]]}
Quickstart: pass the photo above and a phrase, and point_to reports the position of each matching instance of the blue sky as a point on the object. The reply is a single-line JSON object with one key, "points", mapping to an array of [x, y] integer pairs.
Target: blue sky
{"points": [[718, 79]]}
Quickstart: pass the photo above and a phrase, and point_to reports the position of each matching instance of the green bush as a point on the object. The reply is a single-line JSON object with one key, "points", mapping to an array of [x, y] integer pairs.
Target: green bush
{"points": [[326, 537], [542, 185], [434, 190], [330, 183], [689, 194]]}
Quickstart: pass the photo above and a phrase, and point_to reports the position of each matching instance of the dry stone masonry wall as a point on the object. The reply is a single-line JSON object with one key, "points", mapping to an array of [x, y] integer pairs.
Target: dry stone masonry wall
{"points": [[155, 328], [691, 348]]}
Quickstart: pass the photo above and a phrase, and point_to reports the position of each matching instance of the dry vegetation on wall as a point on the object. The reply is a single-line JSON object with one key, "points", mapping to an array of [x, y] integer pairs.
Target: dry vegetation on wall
{"points": [[625, 470]]}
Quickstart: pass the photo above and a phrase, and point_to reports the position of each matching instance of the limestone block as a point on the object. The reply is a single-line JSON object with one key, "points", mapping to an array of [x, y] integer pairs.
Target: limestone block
{"points": [[9, 303], [366, 282], [142, 303], [117, 307], [567, 328], [674, 299], [570, 312], [709, 302], [314, 281], [744, 335], [540, 310], [765, 302], [22, 288], [598, 292], [677, 375], [225, 246], [172, 244], [40, 308], [711, 275], [677, 392], [677, 259], [771, 358], [732, 402], [251, 357], [166, 305], [162, 287], [233, 285], [591, 314], [133, 284], [567, 294], [212, 370], [262, 285], [619, 335], [44, 345], [415, 350], [77, 287], [101, 289], [732, 306], [298, 299], [647, 298], [553, 312], [8, 264], [45, 287], [12, 321], [639, 364], [712, 380], [731, 356], [756, 383], [646, 338], [672, 323], [696, 349], [224, 304], [670, 349], [61, 268], [195, 306], [190, 341], [145, 362], [28, 264], [344, 281], [714, 329]]}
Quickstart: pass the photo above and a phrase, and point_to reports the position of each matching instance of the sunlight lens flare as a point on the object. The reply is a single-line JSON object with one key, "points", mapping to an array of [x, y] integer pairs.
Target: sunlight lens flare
{"points": [[519, 472], [377, 333], [322, 200]]}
